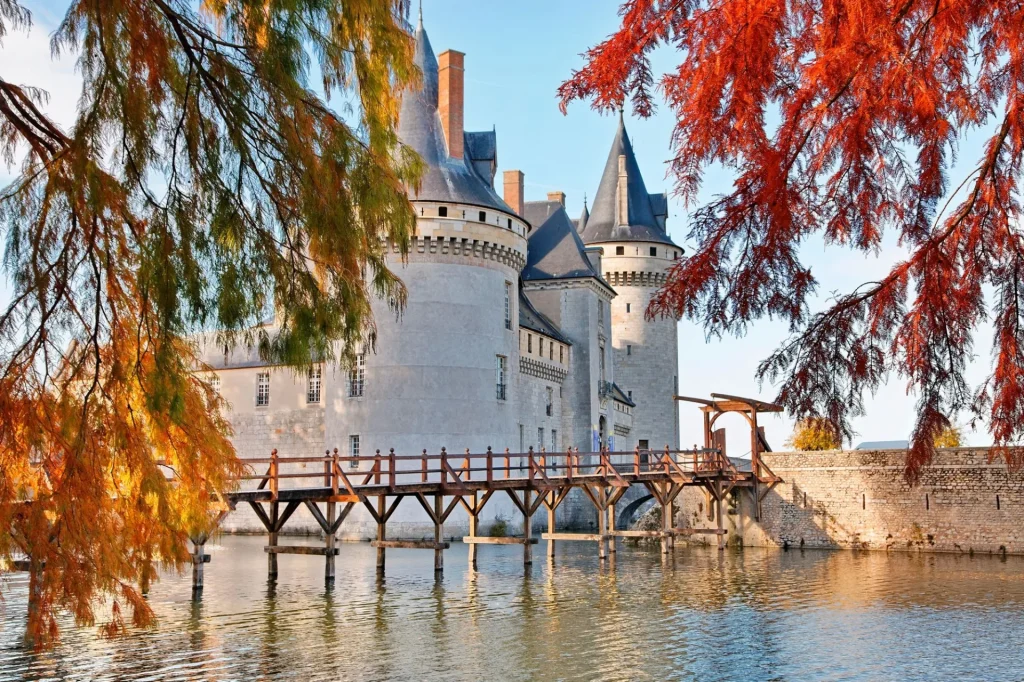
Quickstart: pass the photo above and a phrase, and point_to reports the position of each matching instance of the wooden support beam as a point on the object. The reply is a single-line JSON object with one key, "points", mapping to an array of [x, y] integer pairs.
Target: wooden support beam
{"points": [[289, 509], [528, 510], [583, 537], [381, 532], [718, 514], [410, 544], [556, 499], [698, 531], [610, 527], [274, 550], [473, 520], [484, 540], [329, 544], [637, 533]]}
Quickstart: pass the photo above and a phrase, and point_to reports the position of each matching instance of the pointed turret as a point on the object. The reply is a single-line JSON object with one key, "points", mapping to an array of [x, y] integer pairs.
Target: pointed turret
{"points": [[623, 209], [430, 122], [581, 224]]}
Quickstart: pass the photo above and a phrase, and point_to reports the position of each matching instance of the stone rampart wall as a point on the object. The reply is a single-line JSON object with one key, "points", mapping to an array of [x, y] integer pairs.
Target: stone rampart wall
{"points": [[860, 499]]}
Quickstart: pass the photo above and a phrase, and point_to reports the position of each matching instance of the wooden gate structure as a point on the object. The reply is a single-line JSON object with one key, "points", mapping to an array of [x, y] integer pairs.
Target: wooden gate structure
{"points": [[442, 482]]}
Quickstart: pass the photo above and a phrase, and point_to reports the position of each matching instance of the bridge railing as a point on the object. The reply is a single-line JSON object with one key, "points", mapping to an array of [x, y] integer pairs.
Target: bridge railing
{"points": [[346, 474]]}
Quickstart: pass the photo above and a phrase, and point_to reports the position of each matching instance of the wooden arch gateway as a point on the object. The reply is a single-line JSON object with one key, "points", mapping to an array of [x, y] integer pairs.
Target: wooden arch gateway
{"points": [[763, 480]]}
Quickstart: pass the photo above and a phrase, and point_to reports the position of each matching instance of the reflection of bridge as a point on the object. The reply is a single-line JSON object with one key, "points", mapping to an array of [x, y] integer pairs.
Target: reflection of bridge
{"points": [[441, 483]]}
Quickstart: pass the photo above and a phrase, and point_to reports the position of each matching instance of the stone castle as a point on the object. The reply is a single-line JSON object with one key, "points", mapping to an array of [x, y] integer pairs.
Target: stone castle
{"points": [[523, 327]]}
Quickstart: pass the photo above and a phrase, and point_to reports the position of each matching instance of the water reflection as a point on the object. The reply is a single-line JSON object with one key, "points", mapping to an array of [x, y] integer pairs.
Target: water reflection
{"points": [[694, 614]]}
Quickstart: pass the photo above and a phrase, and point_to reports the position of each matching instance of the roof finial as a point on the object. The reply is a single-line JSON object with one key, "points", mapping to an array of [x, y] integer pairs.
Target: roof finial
{"points": [[584, 201]]}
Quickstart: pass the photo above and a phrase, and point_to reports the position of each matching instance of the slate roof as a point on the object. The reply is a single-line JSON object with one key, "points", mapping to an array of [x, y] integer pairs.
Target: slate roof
{"points": [[554, 249], [646, 212], [620, 396], [531, 318], [419, 126]]}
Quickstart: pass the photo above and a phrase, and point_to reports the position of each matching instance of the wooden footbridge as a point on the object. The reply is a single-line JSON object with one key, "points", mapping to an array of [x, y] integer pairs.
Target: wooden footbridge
{"points": [[331, 486]]}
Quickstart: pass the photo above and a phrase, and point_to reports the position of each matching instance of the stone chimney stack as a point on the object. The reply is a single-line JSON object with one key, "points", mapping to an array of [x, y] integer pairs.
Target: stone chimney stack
{"points": [[622, 194], [513, 195], [557, 196], [451, 98]]}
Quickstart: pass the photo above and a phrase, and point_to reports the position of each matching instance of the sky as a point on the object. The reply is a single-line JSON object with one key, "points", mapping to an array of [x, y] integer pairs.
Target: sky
{"points": [[517, 53]]}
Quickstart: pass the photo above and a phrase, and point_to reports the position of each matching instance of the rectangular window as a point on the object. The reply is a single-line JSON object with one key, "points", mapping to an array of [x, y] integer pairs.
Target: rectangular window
{"points": [[561, 354], [554, 440], [627, 307], [551, 400], [215, 382], [629, 349], [540, 438], [357, 377], [620, 250], [483, 216], [508, 305], [600, 314], [529, 343], [442, 211], [500, 367], [644, 445], [313, 387], [551, 351], [510, 223], [654, 250], [601, 361], [353, 451], [262, 389], [540, 346], [522, 438]]}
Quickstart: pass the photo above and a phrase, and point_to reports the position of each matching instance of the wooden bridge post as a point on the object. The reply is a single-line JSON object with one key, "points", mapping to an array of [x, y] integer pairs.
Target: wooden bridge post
{"points": [[718, 514], [666, 521], [438, 529], [602, 528], [551, 524], [199, 558], [611, 528], [381, 532], [473, 519], [329, 544], [272, 542], [527, 525]]}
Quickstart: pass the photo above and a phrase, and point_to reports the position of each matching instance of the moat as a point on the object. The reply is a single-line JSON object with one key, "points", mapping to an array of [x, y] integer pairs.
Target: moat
{"points": [[743, 615]]}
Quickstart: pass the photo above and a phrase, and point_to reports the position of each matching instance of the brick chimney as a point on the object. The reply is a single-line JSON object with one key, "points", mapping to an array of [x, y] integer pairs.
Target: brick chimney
{"points": [[450, 99], [557, 196], [513, 194]]}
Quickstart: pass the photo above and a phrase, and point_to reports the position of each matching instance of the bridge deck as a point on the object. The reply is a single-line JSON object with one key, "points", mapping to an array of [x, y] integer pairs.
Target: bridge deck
{"points": [[443, 482]]}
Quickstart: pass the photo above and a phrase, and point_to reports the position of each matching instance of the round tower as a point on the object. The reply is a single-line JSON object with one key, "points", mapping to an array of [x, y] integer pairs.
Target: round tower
{"points": [[441, 373], [628, 224]]}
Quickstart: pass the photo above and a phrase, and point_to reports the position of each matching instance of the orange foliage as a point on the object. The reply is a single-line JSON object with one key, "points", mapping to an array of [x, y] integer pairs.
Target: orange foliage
{"points": [[842, 118]]}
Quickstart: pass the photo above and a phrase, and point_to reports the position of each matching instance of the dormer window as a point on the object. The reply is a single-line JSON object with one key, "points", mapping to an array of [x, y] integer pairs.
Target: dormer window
{"points": [[442, 211]]}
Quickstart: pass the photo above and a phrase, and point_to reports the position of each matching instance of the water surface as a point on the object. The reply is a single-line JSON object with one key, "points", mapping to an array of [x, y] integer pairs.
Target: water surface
{"points": [[697, 615]]}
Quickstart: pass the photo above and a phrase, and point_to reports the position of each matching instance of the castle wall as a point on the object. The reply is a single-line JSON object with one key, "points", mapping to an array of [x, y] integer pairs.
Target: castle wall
{"points": [[860, 499]]}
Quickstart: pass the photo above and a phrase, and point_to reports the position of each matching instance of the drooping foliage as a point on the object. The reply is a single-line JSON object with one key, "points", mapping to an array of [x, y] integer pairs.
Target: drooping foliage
{"points": [[205, 183], [842, 119], [812, 434]]}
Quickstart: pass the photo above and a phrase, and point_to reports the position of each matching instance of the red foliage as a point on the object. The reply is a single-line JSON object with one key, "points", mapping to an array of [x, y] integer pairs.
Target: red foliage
{"points": [[842, 117]]}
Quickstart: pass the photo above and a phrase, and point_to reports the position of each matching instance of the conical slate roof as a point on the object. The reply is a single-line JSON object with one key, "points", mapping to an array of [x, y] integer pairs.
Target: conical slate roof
{"points": [[646, 218], [554, 249], [419, 126], [584, 217]]}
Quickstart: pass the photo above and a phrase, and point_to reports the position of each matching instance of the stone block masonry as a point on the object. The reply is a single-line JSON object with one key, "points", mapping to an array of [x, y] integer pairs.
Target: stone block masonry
{"points": [[964, 502]]}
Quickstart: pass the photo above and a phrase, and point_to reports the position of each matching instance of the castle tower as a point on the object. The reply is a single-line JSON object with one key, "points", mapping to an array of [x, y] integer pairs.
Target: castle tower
{"points": [[442, 374], [628, 224]]}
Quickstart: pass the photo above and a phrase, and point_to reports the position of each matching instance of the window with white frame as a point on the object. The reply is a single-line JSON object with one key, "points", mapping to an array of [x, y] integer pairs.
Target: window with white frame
{"points": [[215, 382], [540, 438], [353, 451], [508, 305], [262, 389], [314, 382], [501, 371], [554, 440], [357, 377]]}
